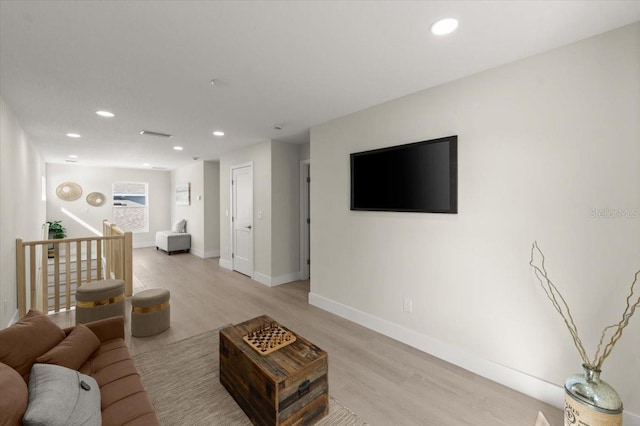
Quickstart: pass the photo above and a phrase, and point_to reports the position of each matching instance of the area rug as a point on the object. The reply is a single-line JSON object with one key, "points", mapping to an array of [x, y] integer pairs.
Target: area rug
{"points": [[182, 381]]}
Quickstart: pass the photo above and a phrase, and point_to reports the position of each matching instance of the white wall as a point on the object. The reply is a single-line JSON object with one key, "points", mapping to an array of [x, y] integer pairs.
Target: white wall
{"points": [[260, 156], [194, 212], [100, 179], [305, 151], [202, 215], [542, 142], [276, 194], [285, 219], [22, 210], [211, 202]]}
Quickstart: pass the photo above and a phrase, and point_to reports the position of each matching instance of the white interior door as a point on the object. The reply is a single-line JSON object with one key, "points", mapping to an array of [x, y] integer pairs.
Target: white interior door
{"points": [[242, 219]]}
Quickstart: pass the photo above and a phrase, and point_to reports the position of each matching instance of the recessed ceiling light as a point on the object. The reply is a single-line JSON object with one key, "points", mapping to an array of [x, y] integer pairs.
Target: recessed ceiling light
{"points": [[73, 135], [444, 26], [177, 148], [218, 82], [146, 165], [105, 114], [218, 133], [72, 156]]}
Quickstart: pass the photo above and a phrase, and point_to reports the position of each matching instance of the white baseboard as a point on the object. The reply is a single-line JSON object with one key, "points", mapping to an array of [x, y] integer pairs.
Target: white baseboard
{"points": [[14, 318], [274, 281], [144, 244], [522, 382], [205, 254], [197, 252], [211, 253], [262, 278], [224, 263]]}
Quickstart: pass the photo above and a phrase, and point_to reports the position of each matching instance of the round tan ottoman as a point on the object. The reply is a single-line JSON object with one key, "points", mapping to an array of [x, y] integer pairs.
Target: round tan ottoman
{"points": [[99, 299], [150, 312]]}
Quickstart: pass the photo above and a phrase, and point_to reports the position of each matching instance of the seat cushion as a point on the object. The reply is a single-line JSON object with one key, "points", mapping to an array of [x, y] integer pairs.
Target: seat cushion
{"points": [[150, 297], [122, 395], [98, 291]]}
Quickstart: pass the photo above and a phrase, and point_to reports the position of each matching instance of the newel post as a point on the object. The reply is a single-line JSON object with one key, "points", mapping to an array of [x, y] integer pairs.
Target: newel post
{"points": [[128, 264], [21, 278]]}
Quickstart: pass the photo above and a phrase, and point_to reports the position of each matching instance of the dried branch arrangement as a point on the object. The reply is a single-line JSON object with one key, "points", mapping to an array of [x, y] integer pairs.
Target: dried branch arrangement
{"points": [[560, 305]]}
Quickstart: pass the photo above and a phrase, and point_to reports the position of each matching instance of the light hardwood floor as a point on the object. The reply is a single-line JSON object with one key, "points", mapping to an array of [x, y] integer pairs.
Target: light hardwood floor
{"points": [[383, 381]]}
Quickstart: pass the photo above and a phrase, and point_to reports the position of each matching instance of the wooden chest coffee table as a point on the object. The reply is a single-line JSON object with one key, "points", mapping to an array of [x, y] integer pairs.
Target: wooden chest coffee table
{"points": [[286, 387]]}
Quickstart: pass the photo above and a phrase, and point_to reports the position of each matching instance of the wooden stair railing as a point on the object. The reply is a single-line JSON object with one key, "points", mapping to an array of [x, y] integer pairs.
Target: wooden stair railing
{"points": [[119, 256], [114, 251]]}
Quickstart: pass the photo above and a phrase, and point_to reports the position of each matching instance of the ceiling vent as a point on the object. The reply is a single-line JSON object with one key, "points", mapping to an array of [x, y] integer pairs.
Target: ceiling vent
{"points": [[150, 133], [158, 168]]}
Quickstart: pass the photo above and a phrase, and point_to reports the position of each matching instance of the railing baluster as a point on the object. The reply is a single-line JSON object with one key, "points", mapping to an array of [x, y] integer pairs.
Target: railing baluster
{"points": [[56, 278], [109, 256], [89, 261], [67, 273], [20, 272], [44, 284], [127, 254], [99, 259], [33, 275], [118, 259], [78, 268]]}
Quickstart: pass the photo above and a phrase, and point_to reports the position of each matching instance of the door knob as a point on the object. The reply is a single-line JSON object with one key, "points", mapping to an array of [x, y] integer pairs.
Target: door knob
{"points": [[249, 227]]}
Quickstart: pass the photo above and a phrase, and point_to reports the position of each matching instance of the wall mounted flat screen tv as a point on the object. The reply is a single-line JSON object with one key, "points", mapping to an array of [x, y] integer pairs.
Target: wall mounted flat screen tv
{"points": [[415, 177]]}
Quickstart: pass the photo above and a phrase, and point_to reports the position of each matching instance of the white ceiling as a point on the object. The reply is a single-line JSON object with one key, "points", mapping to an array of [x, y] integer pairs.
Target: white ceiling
{"points": [[294, 63]]}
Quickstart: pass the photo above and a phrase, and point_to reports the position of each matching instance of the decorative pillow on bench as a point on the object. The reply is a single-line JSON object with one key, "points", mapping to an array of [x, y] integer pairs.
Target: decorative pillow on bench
{"points": [[180, 226], [61, 396]]}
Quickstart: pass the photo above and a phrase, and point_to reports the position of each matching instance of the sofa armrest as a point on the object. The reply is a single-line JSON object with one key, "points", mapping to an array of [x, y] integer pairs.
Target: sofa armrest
{"points": [[108, 328]]}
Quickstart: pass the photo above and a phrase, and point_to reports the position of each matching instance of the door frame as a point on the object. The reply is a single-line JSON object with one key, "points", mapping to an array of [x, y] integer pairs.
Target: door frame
{"points": [[305, 237], [232, 215]]}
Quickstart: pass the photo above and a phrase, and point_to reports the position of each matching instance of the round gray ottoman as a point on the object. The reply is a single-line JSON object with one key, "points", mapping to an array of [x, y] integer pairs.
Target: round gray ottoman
{"points": [[98, 300], [150, 312]]}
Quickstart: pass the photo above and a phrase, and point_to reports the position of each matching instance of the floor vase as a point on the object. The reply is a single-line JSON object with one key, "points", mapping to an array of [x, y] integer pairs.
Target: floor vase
{"points": [[590, 401]]}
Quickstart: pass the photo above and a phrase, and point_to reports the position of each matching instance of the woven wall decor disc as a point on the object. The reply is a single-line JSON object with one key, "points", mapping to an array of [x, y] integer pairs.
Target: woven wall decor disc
{"points": [[95, 199], [69, 191]]}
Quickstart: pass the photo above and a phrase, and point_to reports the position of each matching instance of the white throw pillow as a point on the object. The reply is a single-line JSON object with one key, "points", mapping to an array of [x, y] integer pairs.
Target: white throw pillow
{"points": [[61, 396], [180, 226]]}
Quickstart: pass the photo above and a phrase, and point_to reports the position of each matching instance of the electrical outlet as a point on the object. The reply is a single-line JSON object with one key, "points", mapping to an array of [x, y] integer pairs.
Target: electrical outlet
{"points": [[407, 305]]}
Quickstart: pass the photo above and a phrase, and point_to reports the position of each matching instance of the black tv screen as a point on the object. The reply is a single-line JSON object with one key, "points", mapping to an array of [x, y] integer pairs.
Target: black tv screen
{"points": [[415, 177]]}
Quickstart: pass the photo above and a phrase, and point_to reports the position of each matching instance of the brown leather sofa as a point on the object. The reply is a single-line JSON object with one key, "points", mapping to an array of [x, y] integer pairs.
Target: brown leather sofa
{"points": [[96, 349]]}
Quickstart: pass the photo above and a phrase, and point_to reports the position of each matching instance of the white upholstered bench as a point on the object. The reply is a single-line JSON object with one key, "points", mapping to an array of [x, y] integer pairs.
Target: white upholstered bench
{"points": [[175, 240], [170, 241]]}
